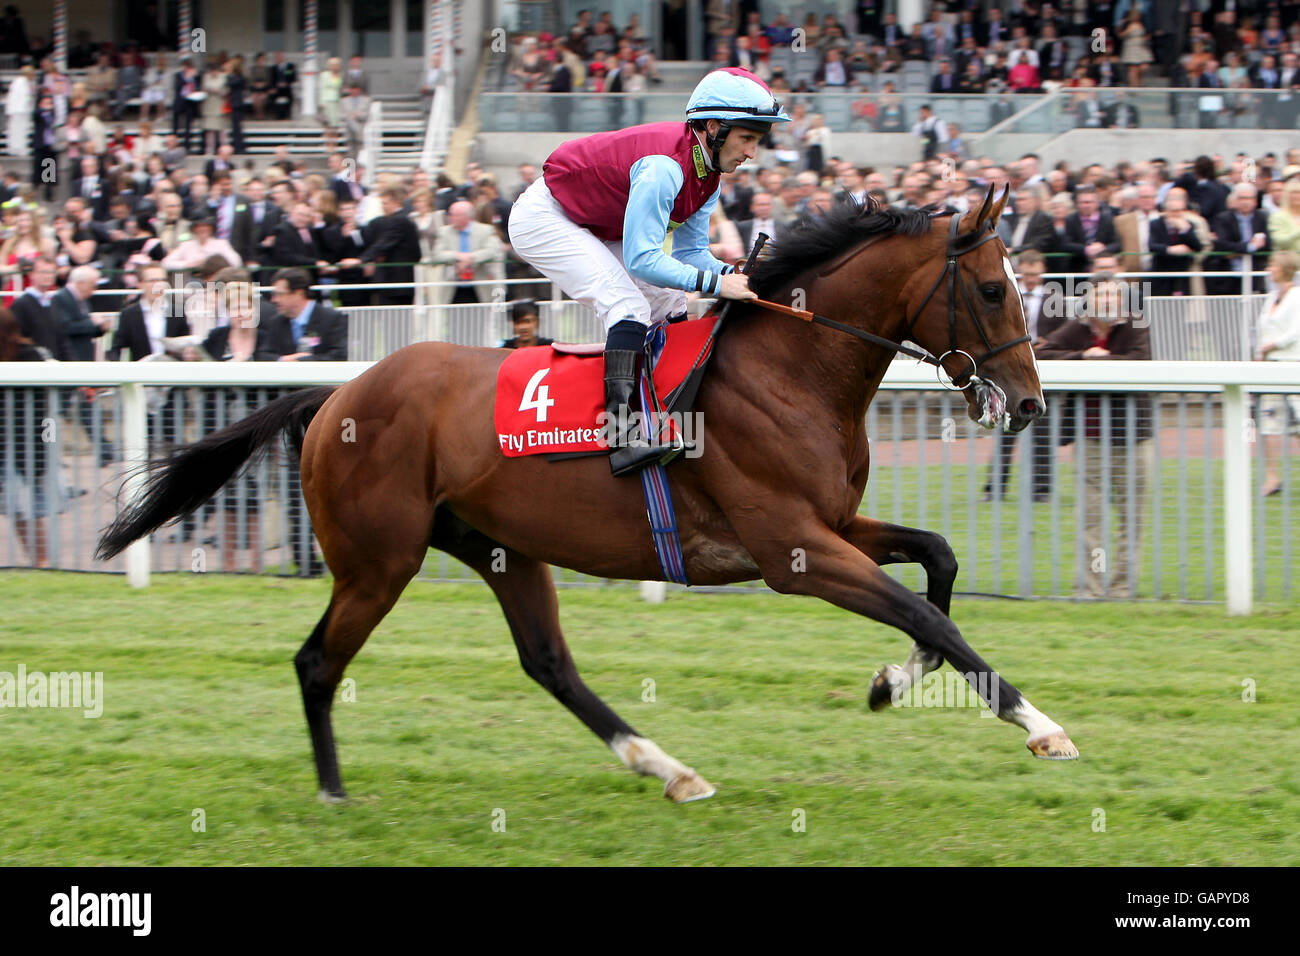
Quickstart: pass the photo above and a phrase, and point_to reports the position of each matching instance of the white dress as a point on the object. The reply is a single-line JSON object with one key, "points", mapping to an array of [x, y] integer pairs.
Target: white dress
{"points": [[18, 114], [1280, 323]]}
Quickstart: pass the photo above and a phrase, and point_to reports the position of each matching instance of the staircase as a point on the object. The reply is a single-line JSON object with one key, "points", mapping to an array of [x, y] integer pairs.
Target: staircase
{"points": [[401, 135]]}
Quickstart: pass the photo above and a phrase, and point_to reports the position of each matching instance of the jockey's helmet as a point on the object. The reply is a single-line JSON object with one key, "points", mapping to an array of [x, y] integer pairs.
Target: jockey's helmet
{"points": [[734, 97]]}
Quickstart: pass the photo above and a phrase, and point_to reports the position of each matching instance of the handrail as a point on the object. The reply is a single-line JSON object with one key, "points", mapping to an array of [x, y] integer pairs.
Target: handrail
{"points": [[437, 135], [1234, 380], [373, 148], [1098, 375]]}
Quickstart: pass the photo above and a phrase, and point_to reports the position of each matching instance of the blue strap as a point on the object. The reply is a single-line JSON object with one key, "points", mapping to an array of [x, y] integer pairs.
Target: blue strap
{"points": [[654, 480]]}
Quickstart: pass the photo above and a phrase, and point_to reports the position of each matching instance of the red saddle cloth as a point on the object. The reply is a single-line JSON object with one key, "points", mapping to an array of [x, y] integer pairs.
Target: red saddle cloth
{"points": [[547, 400]]}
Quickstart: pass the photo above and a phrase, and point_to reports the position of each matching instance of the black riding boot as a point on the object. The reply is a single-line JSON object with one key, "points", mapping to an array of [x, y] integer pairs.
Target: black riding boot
{"points": [[631, 451]]}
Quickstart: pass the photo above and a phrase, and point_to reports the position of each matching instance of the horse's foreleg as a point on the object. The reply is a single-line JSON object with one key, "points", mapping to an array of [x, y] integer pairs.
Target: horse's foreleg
{"points": [[885, 544], [526, 591], [839, 573]]}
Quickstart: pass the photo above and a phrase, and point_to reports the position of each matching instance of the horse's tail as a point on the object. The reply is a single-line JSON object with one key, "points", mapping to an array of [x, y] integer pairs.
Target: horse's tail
{"points": [[181, 483]]}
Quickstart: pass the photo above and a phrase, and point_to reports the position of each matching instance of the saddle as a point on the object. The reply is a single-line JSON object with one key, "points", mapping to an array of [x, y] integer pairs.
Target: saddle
{"points": [[550, 398]]}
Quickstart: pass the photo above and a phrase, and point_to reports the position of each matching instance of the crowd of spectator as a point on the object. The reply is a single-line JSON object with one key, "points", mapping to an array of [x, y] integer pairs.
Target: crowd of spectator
{"points": [[973, 49]]}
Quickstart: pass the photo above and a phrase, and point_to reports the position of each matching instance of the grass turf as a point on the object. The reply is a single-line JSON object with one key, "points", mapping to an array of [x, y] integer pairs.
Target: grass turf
{"points": [[764, 695]]}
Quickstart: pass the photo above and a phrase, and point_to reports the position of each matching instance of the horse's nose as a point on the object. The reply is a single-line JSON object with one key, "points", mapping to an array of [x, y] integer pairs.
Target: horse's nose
{"points": [[1032, 408]]}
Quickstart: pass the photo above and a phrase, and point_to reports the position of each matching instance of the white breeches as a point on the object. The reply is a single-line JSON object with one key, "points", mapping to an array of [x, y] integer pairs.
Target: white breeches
{"points": [[587, 268]]}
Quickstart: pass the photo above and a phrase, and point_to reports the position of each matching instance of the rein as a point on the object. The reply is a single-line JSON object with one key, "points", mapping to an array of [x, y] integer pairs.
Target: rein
{"points": [[950, 274]]}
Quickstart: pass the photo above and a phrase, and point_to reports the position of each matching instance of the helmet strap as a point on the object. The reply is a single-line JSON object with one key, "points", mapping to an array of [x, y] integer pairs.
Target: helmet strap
{"points": [[714, 143]]}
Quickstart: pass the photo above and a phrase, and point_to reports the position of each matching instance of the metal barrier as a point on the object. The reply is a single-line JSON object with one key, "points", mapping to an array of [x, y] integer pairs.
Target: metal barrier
{"points": [[1170, 514], [1205, 328]]}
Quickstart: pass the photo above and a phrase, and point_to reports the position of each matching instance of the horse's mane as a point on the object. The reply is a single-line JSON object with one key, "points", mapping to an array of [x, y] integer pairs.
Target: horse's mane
{"points": [[814, 239]]}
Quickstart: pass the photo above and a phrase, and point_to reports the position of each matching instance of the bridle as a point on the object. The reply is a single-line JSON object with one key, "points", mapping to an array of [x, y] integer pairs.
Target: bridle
{"points": [[956, 249], [950, 272]]}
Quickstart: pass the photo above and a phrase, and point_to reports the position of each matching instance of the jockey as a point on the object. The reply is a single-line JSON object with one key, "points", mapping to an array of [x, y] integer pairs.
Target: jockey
{"points": [[596, 221]]}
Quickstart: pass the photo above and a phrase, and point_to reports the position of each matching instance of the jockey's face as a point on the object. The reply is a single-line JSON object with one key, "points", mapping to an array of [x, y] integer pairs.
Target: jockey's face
{"points": [[739, 146]]}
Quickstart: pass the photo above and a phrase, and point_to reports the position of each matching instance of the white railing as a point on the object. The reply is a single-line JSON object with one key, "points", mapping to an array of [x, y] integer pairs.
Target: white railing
{"points": [[437, 136], [442, 111], [1232, 381], [372, 150]]}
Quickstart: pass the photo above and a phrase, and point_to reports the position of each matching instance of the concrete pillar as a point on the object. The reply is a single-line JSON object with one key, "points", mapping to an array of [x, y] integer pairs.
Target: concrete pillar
{"points": [[309, 65]]}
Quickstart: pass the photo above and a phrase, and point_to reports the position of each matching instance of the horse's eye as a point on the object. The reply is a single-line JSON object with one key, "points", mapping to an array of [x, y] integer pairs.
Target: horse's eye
{"points": [[992, 292]]}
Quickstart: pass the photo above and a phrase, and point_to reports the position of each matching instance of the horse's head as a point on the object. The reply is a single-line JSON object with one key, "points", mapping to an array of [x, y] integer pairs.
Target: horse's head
{"points": [[967, 310]]}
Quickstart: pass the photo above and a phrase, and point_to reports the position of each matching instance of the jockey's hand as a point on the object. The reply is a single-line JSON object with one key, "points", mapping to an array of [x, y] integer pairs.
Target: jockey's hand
{"points": [[735, 285]]}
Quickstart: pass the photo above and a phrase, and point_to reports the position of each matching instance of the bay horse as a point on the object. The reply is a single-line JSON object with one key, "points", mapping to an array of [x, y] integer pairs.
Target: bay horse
{"points": [[405, 457]]}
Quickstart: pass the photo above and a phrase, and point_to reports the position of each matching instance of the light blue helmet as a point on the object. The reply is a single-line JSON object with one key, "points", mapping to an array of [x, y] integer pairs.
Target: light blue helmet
{"points": [[733, 97], [737, 97]]}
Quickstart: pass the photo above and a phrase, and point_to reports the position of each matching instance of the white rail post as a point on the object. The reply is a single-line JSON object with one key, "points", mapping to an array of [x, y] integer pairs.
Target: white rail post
{"points": [[1237, 436], [135, 453]]}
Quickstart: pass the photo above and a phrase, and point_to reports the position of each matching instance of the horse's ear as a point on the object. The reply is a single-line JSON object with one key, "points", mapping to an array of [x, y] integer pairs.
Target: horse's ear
{"points": [[998, 206], [985, 209]]}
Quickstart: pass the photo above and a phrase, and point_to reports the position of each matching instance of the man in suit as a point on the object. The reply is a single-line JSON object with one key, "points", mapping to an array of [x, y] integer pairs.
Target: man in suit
{"points": [[1134, 230], [944, 81], [142, 325], [1044, 314], [141, 328], [34, 310], [356, 75], [1121, 114], [355, 110], [92, 187], [1205, 194], [309, 330], [255, 222], [1027, 227], [736, 195], [342, 244], [470, 251], [1089, 231], [171, 225], [296, 243], [71, 306], [762, 220], [283, 76], [222, 205], [1107, 329], [1241, 228], [302, 330], [343, 180], [186, 82], [392, 249], [995, 28], [222, 162], [1052, 54]]}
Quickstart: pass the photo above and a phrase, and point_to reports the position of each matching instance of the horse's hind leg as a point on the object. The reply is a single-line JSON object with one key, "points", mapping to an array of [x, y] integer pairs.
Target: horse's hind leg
{"points": [[526, 591], [370, 572], [894, 544]]}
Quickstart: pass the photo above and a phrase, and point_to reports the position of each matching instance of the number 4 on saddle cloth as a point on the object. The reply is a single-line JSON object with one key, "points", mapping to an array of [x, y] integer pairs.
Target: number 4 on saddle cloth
{"points": [[550, 399]]}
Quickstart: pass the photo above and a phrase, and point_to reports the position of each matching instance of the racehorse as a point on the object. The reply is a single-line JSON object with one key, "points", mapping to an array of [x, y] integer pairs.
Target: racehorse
{"points": [[405, 457]]}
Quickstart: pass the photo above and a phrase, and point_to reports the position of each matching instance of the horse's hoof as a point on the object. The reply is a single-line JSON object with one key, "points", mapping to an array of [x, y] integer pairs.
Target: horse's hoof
{"points": [[326, 797], [689, 786], [881, 694], [1053, 746]]}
